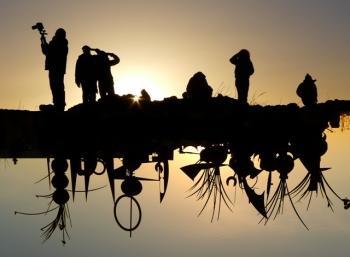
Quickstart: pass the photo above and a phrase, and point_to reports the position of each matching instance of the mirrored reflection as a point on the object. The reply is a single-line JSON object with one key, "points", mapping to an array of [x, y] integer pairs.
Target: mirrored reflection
{"points": [[251, 141]]}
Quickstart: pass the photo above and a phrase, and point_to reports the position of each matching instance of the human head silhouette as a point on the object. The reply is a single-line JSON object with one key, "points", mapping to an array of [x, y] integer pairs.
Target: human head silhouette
{"points": [[308, 79], [199, 76], [244, 53], [86, 49], [60, 33]]}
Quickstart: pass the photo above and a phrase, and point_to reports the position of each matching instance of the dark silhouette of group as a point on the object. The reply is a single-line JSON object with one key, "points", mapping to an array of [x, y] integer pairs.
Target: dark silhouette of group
{"points": [[306, 90], [95, 70], [91, 71], [93, 74], [198, 88]]}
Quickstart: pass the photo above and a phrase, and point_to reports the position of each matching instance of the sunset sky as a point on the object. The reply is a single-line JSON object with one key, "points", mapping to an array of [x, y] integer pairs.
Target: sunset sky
{"points": [[161, 44]]}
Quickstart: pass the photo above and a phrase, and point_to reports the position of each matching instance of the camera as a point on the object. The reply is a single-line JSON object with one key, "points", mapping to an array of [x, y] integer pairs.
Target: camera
{"points": [[39, 26]]}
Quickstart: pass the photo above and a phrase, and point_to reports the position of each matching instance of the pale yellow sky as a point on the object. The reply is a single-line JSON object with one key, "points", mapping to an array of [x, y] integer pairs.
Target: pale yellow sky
{"points": [[161, 44]]}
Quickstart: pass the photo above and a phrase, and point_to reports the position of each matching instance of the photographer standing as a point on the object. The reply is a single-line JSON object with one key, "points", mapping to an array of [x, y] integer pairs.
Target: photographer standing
{"points": [[104, 74], [85, 75], [56, 58], [244, 69]]}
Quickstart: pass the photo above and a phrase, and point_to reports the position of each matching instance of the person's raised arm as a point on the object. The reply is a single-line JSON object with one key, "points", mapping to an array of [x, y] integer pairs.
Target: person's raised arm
{"points": [[115, 59]]}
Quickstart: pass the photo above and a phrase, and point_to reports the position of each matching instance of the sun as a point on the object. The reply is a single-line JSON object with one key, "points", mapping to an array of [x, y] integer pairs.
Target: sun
{"points": [[133, 83]]}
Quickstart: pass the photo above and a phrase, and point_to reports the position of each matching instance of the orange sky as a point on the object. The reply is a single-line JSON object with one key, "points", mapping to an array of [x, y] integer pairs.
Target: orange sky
{"points": [[161, 44]]}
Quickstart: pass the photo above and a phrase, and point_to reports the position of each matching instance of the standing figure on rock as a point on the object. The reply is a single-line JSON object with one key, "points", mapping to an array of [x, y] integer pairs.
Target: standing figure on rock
{"points": [[307, 91], [244, 69], [104, 74], [56, 58], [85, 75]]}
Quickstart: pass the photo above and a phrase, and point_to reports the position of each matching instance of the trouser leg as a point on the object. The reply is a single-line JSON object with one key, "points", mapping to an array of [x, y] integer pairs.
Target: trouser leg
{"points": [[57, 88], [242, 86]]}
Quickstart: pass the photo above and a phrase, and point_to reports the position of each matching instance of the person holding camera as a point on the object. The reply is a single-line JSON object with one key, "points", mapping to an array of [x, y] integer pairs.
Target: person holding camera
{"points": [[244, 69], [56, 58], [85, 75]]}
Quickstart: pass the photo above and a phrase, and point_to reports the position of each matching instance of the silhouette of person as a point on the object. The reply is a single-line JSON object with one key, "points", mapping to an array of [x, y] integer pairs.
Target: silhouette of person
{"points": [[198, 88], [145, 96], [85, 75], [244, 69], [104, 74], [307, 91], [56, 58]]}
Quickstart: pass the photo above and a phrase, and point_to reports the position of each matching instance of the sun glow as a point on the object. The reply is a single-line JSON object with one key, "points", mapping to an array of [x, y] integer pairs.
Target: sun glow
{"points": [[133, 83]]}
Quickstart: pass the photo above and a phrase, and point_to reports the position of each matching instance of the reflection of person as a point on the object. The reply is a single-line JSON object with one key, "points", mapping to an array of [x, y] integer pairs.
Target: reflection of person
{"points": [[307, 91], [104, 74], [244, 69], [85, 75], [56, 58]]}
